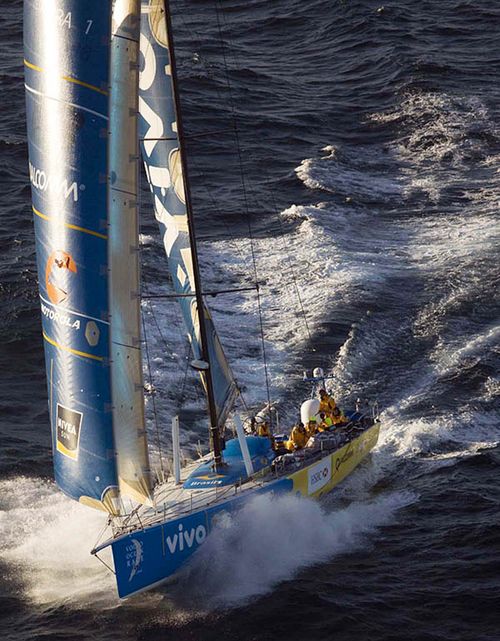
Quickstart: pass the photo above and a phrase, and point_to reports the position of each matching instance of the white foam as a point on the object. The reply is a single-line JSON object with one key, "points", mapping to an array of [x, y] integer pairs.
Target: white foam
{"points": [[359, 179], [271, 539], [449, 358], [46, 540], [468, 431]]}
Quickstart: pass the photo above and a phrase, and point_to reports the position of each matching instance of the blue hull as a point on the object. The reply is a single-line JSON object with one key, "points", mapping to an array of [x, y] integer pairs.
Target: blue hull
{"points": [[148, 557]]}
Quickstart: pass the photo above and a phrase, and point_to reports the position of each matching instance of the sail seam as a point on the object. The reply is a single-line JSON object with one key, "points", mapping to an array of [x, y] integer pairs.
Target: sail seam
{"points": [[72, 351], [117, 35], [69, 225], [124, 191], [64, 102]]}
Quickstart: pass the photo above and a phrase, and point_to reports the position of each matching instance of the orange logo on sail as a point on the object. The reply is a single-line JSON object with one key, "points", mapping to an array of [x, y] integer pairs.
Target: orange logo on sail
{"points": [[58, 265]]}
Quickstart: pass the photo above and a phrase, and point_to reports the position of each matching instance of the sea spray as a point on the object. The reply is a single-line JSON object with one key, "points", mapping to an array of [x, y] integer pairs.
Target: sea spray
{"points": [[271, 539], [46, 540]]}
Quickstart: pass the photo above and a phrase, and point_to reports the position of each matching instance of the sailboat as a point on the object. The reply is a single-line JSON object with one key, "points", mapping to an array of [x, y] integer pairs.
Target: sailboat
{"points": [[102, 93]]}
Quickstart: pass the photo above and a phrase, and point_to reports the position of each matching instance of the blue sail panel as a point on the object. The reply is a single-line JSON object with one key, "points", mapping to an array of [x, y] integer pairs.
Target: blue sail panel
{"points": [[160, 147], [66, 46]]}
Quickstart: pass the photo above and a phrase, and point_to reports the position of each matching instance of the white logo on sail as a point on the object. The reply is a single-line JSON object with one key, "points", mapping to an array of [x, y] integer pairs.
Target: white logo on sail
{"points": [[47, 183], [60, 318]]}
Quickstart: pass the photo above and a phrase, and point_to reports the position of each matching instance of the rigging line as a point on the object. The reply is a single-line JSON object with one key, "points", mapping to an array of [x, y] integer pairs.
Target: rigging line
{"points": [[215, 206], [202, 134], [162, 336], [290, 266], [200, 44], [205, 134], [207, 293], [218, 212], [166, 346], [247, 210], [268, 183], [153, 394], [104, 563]]}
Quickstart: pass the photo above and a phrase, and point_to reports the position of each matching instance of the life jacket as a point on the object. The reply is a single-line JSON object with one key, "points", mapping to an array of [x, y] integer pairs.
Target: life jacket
{"points": [[338, 419], [299, 437], [311, 428], [263, 430], [327, 405]]}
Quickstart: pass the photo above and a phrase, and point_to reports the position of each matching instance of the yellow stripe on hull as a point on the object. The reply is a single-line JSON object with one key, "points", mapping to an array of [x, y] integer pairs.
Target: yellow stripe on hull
{"points": [[321, 477]]}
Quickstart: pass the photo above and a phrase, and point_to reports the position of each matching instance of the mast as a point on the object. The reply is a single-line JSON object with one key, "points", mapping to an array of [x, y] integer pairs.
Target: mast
{"points": [[212, 408]]}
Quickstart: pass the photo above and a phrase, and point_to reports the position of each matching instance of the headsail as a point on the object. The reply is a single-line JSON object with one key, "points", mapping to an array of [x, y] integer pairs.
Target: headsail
{"points": [[67, 113], [67, 63], [161, 152]]}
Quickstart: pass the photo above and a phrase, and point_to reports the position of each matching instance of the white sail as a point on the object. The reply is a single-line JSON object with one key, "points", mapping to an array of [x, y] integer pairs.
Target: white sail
{"points": [[123, 255]]}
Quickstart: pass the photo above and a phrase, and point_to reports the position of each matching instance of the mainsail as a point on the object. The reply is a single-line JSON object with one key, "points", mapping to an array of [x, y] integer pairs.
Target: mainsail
{"points": [[162, 155], [67, 65]]}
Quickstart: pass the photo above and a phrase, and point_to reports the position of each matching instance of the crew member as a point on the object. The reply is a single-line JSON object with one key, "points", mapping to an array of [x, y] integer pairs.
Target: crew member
{"points": [[326, 402], [325, 422], [298, 438], [264, 430], [312, 427], [338, 417]]}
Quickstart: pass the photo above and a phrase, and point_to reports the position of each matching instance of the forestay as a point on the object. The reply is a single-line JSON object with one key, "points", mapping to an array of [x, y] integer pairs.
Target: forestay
{"points": [[161, 151]]}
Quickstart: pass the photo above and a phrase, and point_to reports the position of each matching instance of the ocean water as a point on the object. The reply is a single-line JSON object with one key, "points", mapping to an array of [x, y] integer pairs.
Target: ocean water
{"points": [[370, 141]]}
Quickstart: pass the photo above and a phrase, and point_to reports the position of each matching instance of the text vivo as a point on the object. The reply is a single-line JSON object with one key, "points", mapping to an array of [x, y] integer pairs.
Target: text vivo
{"points": [[186, 538]]}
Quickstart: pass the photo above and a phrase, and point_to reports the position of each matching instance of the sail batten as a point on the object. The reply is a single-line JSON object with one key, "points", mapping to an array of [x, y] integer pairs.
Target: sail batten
{"points": [[162, 152]]}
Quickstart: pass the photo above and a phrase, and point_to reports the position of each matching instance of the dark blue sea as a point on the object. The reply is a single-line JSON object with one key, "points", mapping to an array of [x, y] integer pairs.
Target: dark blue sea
{"points": [[369, 137]]}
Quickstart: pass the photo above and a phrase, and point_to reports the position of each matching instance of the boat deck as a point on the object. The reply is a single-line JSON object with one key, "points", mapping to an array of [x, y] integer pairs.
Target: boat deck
{"points": [[172, 501]]}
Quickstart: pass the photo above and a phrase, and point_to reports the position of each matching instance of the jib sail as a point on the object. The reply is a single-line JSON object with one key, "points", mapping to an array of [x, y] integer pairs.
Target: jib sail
{"points": [[161, 152]]}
